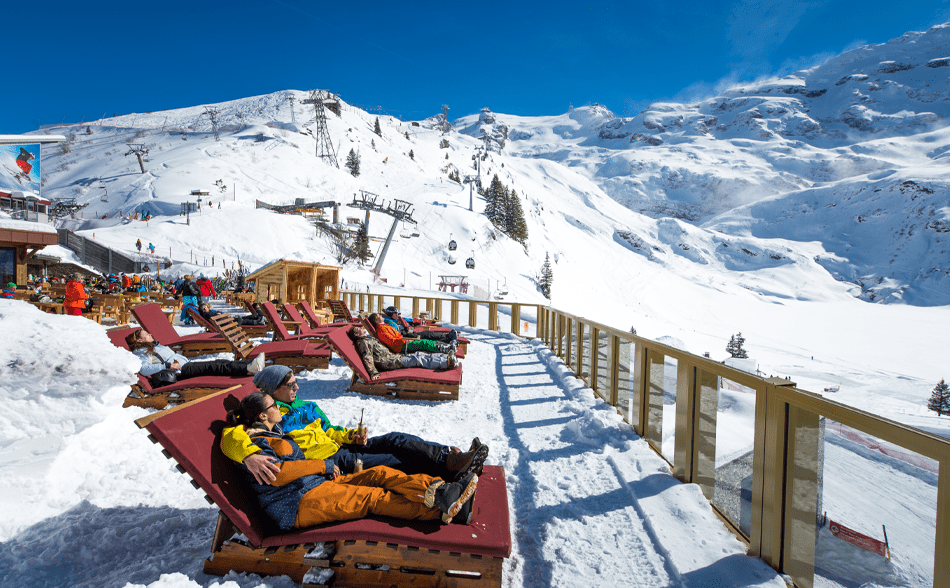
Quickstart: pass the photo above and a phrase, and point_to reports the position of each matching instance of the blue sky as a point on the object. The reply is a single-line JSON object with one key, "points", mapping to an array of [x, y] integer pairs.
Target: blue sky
{"points": [[409, 58]]}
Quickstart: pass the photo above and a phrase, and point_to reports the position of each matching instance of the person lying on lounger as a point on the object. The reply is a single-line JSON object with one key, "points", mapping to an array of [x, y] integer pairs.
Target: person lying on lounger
{"points": [[377, 357], [158, 358], [342, 447], [394, 319], [310, 492], [397, 343]]}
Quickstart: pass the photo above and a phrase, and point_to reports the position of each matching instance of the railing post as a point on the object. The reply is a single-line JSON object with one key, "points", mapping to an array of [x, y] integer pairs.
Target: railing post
{"points": [[595, 361], [685, 418], [396, 301], [472, 313], [579, 360], [454, 309], [492, 316], [613, 371], [516, 319]]}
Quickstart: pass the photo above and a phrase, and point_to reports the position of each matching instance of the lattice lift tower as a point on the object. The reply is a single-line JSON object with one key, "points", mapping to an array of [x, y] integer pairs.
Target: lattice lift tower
{"points": [[320, 133], [399, 210]]}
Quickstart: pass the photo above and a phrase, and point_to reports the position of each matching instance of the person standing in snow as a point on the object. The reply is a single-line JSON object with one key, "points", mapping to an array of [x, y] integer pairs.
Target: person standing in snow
{"points": [[76, 296], [190, 295], [206, 287], [138, 245]]}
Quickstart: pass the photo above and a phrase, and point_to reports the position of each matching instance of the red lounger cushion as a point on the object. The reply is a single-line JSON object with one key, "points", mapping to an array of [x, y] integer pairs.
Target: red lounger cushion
{"points": [[344, 346], [191, 435], [153, 319]]}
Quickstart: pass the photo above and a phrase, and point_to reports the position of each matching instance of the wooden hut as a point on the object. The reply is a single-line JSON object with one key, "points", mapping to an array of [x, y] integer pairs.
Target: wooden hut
{"points": [[19, 241], [293, 281]]}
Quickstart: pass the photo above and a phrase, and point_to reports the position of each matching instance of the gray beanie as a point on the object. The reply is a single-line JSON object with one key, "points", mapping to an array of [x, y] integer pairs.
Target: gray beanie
{"points": [[268, 379]]}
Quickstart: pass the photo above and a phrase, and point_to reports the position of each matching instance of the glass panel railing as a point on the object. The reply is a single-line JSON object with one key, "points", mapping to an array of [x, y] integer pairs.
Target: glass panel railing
{"points": [[729, 411], [668, 432], [603, 365], [878, 511], [626, 395], [584, 362]]}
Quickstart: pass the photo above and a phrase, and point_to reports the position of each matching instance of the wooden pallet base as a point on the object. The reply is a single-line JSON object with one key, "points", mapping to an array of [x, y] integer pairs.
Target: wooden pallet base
{"points": [[299, 364], [196, 349], [406, 389], [362, 564], [138, 398]]}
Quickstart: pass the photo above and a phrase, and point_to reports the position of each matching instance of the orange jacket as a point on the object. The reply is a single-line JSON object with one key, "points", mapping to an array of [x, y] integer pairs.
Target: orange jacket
{"points": [[75, 295], [390, 337]]}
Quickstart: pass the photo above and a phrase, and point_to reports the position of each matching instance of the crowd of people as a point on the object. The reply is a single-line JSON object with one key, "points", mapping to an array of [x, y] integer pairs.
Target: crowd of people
{"points": [[301, 469]]}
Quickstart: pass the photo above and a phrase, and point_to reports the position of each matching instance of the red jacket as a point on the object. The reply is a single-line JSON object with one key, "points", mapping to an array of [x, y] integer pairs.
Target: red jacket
{"points": [[390, 337], [207, 288], [75, 295]]}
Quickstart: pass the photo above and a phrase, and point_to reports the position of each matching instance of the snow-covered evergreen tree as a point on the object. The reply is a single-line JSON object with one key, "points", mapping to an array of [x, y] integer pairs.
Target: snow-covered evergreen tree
{"points": [[361, 245], [515, 225], [940, 399], [735, 347], [376, 128], [547, 277], [353, 163], [495, 202]]}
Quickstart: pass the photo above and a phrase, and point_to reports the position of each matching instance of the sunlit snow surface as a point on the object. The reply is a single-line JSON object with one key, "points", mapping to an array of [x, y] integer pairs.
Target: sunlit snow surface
{"points": [[794, 213]]}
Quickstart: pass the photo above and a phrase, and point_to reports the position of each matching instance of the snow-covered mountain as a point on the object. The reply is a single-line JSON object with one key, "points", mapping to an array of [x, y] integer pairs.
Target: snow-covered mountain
{"points": [[850, 154], [834, 174]]}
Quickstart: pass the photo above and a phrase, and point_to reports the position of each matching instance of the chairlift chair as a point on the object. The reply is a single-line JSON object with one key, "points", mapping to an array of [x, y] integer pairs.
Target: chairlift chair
{"points": [[453, 245], [470, 262], [451, 260]]}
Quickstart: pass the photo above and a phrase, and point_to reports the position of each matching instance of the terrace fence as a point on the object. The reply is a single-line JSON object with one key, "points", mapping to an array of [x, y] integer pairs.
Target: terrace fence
{"points": [[764, 474]]}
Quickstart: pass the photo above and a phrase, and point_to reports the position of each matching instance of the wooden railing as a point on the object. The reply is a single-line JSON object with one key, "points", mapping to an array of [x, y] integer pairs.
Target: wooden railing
{"points": [[768, 483], [763, 474]]}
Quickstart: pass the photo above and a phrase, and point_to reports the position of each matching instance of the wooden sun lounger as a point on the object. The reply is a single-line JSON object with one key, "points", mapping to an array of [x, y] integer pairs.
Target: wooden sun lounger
{"points": [[142, 393], [340, 311], [305, 328], [373, 552], [459, 353], [409, 384], [251, 330], [315, 320], [153, 319], [297, 355]]}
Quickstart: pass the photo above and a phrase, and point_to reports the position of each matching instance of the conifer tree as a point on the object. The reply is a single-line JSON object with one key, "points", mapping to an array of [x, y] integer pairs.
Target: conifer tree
{"points": [[495, 201], [412, 155], [734, 347], [444, 144], [372, 143], [547, 277], [940, 399], [353, 163], [376, 128], [407, 135], [361, 245], [515, 225]]}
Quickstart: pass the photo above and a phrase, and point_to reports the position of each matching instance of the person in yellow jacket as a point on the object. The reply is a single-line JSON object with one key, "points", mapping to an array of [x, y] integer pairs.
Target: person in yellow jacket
{"points": [[313, 491], [310, 428]]}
